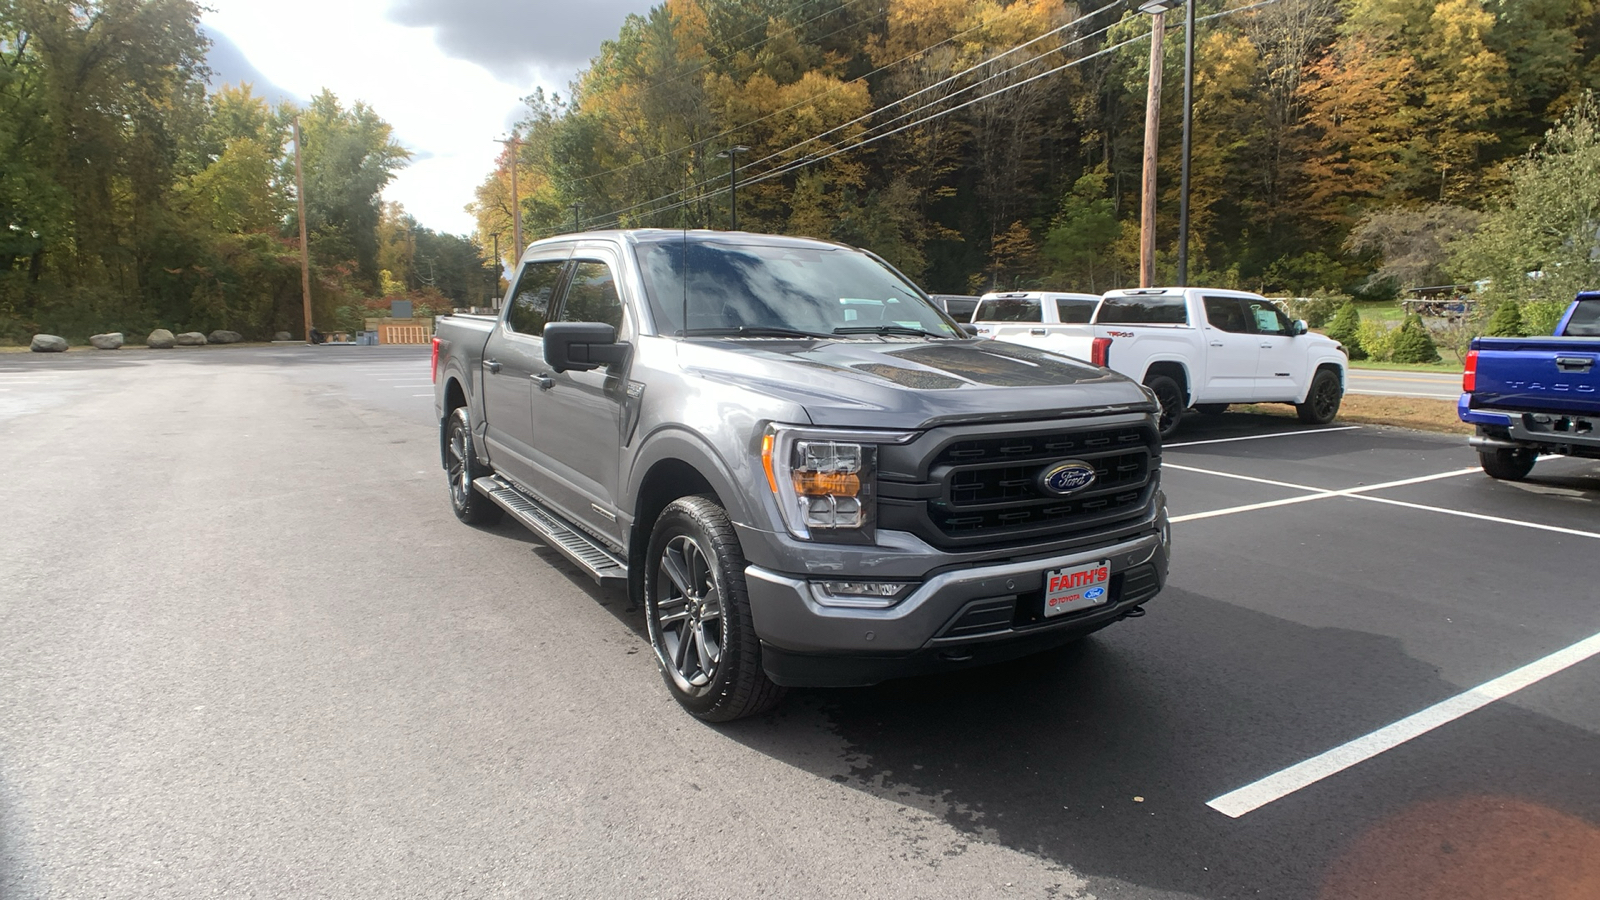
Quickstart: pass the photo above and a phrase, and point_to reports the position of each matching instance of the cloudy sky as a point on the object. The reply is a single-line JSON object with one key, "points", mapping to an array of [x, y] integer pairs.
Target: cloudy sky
{"points": [[447, 74]]}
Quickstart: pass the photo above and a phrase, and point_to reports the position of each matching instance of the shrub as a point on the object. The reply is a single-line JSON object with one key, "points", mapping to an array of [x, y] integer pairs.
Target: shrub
{"points": [[1542, 316], [1413, 343], [1345, 327], [1507, 321], [1376, 341]]}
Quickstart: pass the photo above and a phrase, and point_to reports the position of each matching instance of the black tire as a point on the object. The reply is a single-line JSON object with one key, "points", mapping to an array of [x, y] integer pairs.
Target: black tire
{"points": [[1507, 465], [1211, 409], [1172, 401], [461, 467], [698, 613], [1322, 401]]}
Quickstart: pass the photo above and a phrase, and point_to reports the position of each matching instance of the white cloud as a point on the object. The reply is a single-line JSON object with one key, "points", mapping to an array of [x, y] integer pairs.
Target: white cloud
{"points": [[448, 110]]}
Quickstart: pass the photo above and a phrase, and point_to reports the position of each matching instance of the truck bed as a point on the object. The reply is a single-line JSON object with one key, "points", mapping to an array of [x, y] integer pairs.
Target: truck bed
{"points": [[1538, 374]]}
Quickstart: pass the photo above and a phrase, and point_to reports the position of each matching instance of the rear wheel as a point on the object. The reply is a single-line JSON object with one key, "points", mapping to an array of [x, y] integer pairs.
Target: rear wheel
{"points": [[698, 614], [1507, 465], [1171, 398], [462, 466], [1322, 401]]}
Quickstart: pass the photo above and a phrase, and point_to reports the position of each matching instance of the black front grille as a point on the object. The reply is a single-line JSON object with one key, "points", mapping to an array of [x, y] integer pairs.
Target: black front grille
{"points": [[988, 490]]}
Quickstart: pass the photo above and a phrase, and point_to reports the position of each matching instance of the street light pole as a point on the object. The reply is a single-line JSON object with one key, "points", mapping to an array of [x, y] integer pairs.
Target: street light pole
{"points": [[1188, 136], [731, 155], [305, 250], [515, 143]]}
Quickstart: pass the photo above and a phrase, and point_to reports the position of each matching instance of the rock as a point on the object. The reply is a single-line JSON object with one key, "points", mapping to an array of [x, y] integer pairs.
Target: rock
{"points": [[191, 339], [282, 336], [48, 343], [112, 341], [160, 339], [224, 337]]}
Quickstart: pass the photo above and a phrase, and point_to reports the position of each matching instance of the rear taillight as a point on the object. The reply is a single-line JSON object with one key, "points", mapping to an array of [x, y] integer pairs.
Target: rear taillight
{"points": [[1469, 376], [433, 364], [1101, 354]]}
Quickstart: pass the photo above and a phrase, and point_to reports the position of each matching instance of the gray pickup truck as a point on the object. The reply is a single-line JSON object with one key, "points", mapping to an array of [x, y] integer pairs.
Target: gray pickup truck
{"points": [[803, 471]]}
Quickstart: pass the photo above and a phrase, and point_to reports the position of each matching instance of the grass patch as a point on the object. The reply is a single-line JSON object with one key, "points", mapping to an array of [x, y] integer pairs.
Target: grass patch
{"points": [[1453, 368], [1382, 311], [1403, 412]]}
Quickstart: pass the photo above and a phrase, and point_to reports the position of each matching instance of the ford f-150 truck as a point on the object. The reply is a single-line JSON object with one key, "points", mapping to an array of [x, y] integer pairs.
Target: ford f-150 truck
{"points": [[1193, 347], [802, 471], [1529, 396]]}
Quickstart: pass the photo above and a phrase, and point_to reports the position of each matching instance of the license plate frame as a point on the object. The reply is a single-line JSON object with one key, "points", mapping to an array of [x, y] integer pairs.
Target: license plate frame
{"points": [[1074, 588]]}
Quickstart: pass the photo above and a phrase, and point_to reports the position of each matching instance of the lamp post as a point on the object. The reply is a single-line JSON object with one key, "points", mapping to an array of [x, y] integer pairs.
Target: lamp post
{"points": [[731, 155], [1158, 9]]}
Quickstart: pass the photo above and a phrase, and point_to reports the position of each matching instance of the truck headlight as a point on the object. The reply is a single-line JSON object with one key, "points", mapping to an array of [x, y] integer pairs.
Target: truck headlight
{"points": [[825, 481]]}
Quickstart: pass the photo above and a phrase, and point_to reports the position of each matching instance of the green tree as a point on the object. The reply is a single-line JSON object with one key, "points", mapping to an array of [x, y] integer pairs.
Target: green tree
{"points": [[1345, 327], [350, 155], [1413, 343], [1084, 227], [1507, 320]]}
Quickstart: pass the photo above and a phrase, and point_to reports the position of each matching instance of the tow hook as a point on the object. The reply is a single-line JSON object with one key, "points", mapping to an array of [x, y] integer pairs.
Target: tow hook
{"points": [[1134, 613]]}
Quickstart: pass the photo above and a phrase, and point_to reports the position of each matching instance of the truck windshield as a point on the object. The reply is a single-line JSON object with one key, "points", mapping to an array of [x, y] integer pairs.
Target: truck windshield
{"points": [[775, 290]]}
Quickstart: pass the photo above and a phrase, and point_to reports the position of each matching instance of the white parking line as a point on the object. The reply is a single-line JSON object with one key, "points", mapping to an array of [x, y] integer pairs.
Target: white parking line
{"points": [[1317, 493], [422, 395], [1259, 437], [423, 384], [1481, 517], [1304, 774]]}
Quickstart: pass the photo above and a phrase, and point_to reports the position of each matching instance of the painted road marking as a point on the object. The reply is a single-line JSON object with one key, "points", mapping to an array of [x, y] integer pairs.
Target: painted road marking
{"points": [[1417, 395], [1481, 517], [1304, 774], [1259, 437], [1317, 493]]}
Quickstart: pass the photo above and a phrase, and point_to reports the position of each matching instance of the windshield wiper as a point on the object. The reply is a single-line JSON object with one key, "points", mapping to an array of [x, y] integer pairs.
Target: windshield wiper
{"points": [[888, 329], [752, 331]]}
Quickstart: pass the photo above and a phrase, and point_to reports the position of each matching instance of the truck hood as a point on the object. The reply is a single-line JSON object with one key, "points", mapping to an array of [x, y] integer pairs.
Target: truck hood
{"points": [[914, 384]]}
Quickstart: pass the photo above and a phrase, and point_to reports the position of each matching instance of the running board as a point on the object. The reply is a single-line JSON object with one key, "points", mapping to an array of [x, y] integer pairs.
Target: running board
{"points": [[600, 564]]}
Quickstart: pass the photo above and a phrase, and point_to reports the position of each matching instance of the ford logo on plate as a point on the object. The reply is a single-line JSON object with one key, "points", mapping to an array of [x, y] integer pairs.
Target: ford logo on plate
{"points": [[1068, 477]]}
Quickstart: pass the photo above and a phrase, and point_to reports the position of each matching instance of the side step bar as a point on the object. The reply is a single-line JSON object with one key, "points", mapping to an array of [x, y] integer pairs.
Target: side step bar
{"points": [[601, 564]]}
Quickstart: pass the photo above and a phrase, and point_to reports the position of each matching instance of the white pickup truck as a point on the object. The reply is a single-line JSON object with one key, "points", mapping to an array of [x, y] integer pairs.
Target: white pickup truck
{"points": [[1193, 347]]}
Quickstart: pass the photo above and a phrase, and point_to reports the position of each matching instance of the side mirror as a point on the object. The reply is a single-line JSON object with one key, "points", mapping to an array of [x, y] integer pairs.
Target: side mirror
{"points": [[581, 346], [970, 329], [1300, 327]]}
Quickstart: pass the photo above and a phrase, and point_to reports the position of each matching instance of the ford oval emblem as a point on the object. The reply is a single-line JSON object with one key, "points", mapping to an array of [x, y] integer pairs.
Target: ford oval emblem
{"points": [[1068, 477]]}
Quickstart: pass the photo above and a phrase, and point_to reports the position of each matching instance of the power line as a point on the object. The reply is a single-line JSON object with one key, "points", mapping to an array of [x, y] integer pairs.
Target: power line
{"points": [[917, 93], [812, 159]]}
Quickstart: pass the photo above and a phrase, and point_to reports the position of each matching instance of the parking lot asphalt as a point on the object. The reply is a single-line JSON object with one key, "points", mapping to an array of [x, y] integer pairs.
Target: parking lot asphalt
{"points": [[251, 652]]}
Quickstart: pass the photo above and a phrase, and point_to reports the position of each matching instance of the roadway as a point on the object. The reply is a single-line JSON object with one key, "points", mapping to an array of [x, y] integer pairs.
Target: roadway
{"points": [[1400, 383], [248, 651]]}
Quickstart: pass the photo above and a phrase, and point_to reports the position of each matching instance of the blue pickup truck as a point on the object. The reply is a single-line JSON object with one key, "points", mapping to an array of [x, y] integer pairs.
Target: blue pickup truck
{"points": [[1537, 395]]}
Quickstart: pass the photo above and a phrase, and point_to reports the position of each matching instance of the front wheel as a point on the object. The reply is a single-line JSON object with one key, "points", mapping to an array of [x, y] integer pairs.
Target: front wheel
{"points": [[1172, 401], [462, 466], [1507, 465], [698, 613], [1322, 401]]}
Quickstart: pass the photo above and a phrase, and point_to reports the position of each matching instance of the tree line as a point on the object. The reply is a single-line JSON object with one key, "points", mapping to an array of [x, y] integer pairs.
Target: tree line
{"points": [[133, 197], [1339, 146]]}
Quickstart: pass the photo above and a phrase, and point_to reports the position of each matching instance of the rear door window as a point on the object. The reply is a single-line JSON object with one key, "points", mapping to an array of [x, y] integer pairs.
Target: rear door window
{"points": [[1009, 309], [1143, 309], [1585, 321], [530, 302], [1075, 310]]}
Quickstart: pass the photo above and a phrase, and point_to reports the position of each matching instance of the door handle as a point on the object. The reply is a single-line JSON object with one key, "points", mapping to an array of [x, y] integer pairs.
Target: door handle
{"points": [[493, 366], [1038, 331], [545, 382], [1266, 345], [1216, 343], [1574, 364]]}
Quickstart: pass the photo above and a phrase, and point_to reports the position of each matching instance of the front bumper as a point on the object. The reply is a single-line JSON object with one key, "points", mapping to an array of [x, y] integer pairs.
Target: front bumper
{"points": [[958, 616]]}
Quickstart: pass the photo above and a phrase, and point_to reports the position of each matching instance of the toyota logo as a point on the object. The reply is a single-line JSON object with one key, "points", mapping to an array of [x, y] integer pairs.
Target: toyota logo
{"points": [[1067, 477]]}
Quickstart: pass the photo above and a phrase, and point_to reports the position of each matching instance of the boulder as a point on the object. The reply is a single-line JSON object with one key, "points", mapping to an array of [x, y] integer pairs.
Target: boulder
{"points": [[224, 337], [282, 336], [191, 339], [160, 339], [112, 341], [48, 343]]}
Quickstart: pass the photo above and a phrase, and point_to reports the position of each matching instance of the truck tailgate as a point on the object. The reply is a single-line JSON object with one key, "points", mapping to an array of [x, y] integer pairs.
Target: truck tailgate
{"points": [[1541, 373]]}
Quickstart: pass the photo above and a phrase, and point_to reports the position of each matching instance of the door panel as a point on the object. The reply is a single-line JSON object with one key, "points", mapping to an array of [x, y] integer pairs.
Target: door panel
{"points": [[1281, 366], [577, 415], [1232, 352]]}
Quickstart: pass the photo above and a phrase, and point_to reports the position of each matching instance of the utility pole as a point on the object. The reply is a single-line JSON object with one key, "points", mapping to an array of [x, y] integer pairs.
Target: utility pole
{"points": [[575, 207], [305, 252], [1152, 125], [732, 156], [515, 143], [1188, 136], [494, 292]]}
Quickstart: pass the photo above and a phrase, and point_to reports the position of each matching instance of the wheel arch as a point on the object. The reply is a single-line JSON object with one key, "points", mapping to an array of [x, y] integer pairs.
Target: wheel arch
{"points": [[455, 397], [1175, 369], [1331, 365], [670, 465]]}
